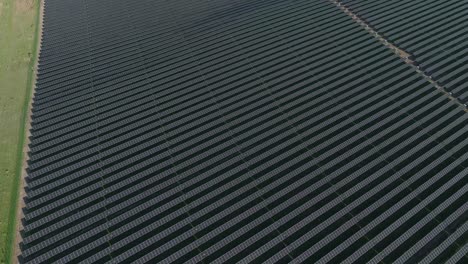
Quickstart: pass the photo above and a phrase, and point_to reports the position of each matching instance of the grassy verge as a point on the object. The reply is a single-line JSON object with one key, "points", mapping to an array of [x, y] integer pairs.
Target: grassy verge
{"points": [[18, 41]]}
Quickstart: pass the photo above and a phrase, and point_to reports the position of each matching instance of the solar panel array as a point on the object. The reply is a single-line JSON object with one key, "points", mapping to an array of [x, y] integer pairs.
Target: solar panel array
{"points": [[435, 32], [224, 131]]}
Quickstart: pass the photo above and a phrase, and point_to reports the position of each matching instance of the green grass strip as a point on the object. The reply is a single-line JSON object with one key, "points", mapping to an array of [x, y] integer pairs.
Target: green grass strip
{"points": [[19, 156]]}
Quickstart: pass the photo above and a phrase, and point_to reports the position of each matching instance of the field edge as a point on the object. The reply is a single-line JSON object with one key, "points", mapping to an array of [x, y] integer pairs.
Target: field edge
{"points": [[15, 212]]}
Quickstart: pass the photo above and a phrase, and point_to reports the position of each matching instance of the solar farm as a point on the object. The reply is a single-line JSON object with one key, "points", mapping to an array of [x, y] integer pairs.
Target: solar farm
{"points": [[217, 131]]}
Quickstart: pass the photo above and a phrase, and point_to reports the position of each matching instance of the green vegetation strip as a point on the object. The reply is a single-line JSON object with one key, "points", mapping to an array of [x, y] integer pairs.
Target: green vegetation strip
{"points": [[19, 35]]}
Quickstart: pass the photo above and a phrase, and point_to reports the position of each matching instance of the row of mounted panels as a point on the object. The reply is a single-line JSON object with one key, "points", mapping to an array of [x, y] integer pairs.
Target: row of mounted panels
{"points": [[434, 32], [252, 131]]}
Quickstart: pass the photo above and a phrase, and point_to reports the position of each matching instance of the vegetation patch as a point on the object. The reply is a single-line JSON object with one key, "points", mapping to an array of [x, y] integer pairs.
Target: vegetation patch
{"points": [[18, 42]]}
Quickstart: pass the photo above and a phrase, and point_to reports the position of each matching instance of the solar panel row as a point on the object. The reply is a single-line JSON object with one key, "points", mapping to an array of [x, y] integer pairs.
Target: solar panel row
{"points": [[220, 131], [434, 32]]}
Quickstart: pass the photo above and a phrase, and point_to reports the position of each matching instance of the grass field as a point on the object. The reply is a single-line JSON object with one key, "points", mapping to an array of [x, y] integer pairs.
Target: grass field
{"points": [[18, 38]]}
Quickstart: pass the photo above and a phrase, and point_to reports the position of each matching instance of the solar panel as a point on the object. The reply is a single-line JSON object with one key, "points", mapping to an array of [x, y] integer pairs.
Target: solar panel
{"points": [[433, 32], [246, 131]]}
